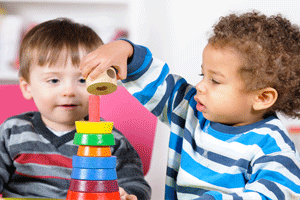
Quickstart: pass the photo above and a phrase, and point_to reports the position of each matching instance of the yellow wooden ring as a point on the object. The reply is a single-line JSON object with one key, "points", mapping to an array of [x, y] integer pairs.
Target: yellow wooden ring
{"points": [[94, 127]]}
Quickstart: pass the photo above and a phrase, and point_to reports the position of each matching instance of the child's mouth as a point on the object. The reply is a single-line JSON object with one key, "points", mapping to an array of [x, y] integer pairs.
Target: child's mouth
{"points": [[200, 107], [69, 106]]}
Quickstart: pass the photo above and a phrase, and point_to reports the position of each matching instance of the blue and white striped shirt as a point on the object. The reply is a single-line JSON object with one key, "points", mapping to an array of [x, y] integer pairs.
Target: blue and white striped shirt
{"points": [[209, 160]]}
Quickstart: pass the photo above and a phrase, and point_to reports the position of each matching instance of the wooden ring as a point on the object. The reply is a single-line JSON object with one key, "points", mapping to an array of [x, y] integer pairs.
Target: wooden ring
{"points": [[94, 139], [94, 174], [94, 151], [94, 162]]}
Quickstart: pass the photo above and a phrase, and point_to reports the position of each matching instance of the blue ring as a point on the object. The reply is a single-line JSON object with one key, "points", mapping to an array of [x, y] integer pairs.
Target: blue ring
{"points": [[94, 174], [94, 162]]}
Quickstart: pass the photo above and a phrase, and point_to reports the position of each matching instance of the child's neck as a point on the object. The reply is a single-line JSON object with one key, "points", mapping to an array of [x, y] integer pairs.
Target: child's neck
{"points": [[251, 120], [58, 126]]}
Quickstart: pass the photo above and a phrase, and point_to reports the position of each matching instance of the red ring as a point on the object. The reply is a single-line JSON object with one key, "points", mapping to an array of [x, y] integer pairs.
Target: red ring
{"points": [[95, 196], [94, 186]]}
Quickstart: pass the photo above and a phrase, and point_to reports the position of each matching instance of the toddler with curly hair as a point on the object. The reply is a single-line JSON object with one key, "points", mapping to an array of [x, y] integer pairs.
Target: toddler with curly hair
{"points": [[226, 141]]}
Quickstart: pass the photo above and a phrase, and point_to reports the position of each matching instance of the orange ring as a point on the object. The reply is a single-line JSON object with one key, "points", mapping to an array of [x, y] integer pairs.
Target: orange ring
{"points": [[95, 196], [94, 151]]}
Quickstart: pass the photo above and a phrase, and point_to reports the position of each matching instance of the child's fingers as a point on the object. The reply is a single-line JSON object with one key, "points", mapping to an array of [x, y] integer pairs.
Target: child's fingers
{"points": [[97, 71], [90, 61], [122, 73], [88, 64], [131, 197], [122, 191], [113, 54]]}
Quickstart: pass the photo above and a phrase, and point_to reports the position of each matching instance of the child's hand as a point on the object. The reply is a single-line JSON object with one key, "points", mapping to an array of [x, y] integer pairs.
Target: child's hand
{"points": [[113, 54], [125, 196]]}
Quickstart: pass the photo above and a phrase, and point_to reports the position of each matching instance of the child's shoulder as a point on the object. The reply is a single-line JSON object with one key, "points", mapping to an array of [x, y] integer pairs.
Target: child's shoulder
{"points": [[23, 119], [272, 136]]}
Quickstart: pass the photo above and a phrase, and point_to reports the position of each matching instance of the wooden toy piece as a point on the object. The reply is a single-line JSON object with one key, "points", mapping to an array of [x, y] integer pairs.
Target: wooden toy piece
{"points": [[105, 83], [93, 196], [94, 127], [94, 108], [32, 199], [94, 151], [94, 174], [94, 139], [94, 186], [94, 162]]}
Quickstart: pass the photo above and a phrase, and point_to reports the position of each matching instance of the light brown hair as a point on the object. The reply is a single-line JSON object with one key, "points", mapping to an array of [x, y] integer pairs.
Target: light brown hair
{"points": [[44, 43]]}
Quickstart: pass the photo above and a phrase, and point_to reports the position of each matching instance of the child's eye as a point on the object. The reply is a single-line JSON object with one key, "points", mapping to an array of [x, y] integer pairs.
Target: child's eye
{"points": [[54, 80], [214, 81], [82, 80]]}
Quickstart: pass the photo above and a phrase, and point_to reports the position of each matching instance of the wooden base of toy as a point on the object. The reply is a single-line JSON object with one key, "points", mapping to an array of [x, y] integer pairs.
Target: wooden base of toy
{"points": [[93, 196], [31, 199]]}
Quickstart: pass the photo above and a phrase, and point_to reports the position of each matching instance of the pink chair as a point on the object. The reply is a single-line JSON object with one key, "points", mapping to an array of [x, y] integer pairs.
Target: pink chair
{"points": [[128, 115]]}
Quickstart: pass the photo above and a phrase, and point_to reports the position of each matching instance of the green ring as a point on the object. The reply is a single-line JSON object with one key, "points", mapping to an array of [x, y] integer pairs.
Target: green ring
{"points": [[94, 139]]}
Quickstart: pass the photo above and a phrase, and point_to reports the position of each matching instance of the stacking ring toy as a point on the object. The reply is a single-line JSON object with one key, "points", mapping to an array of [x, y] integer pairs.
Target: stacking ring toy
{"points": [[94, 174], [94, 186], [94, 139], [94, 162]]}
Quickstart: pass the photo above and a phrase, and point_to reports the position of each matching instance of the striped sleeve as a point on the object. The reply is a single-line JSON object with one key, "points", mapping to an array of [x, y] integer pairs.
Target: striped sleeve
{"points": [[5, 159], [29, 164], [149, 81], [274, 176], [272, 163]]}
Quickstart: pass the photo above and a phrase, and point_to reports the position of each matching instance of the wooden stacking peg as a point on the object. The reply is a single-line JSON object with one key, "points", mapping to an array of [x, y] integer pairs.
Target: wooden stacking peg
{"points": [[105, 83], [94, 108]]}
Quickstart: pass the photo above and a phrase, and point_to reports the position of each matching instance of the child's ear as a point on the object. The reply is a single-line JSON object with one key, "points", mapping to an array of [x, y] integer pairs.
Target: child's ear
{"points": [[265, 98], [25, 88]]}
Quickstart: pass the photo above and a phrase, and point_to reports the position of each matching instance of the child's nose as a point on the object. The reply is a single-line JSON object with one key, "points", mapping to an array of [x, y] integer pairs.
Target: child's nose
{"points": [[69, 90], [200, 87]]}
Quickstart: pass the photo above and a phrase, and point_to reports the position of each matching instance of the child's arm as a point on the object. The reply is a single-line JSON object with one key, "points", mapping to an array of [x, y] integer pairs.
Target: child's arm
{"points": [[147, 78], [113, 54], [273, 176], [6, 163]]}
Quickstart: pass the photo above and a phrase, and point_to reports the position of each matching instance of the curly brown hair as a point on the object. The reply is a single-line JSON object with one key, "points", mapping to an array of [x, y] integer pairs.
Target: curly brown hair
{"points": [[270, 49]]}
